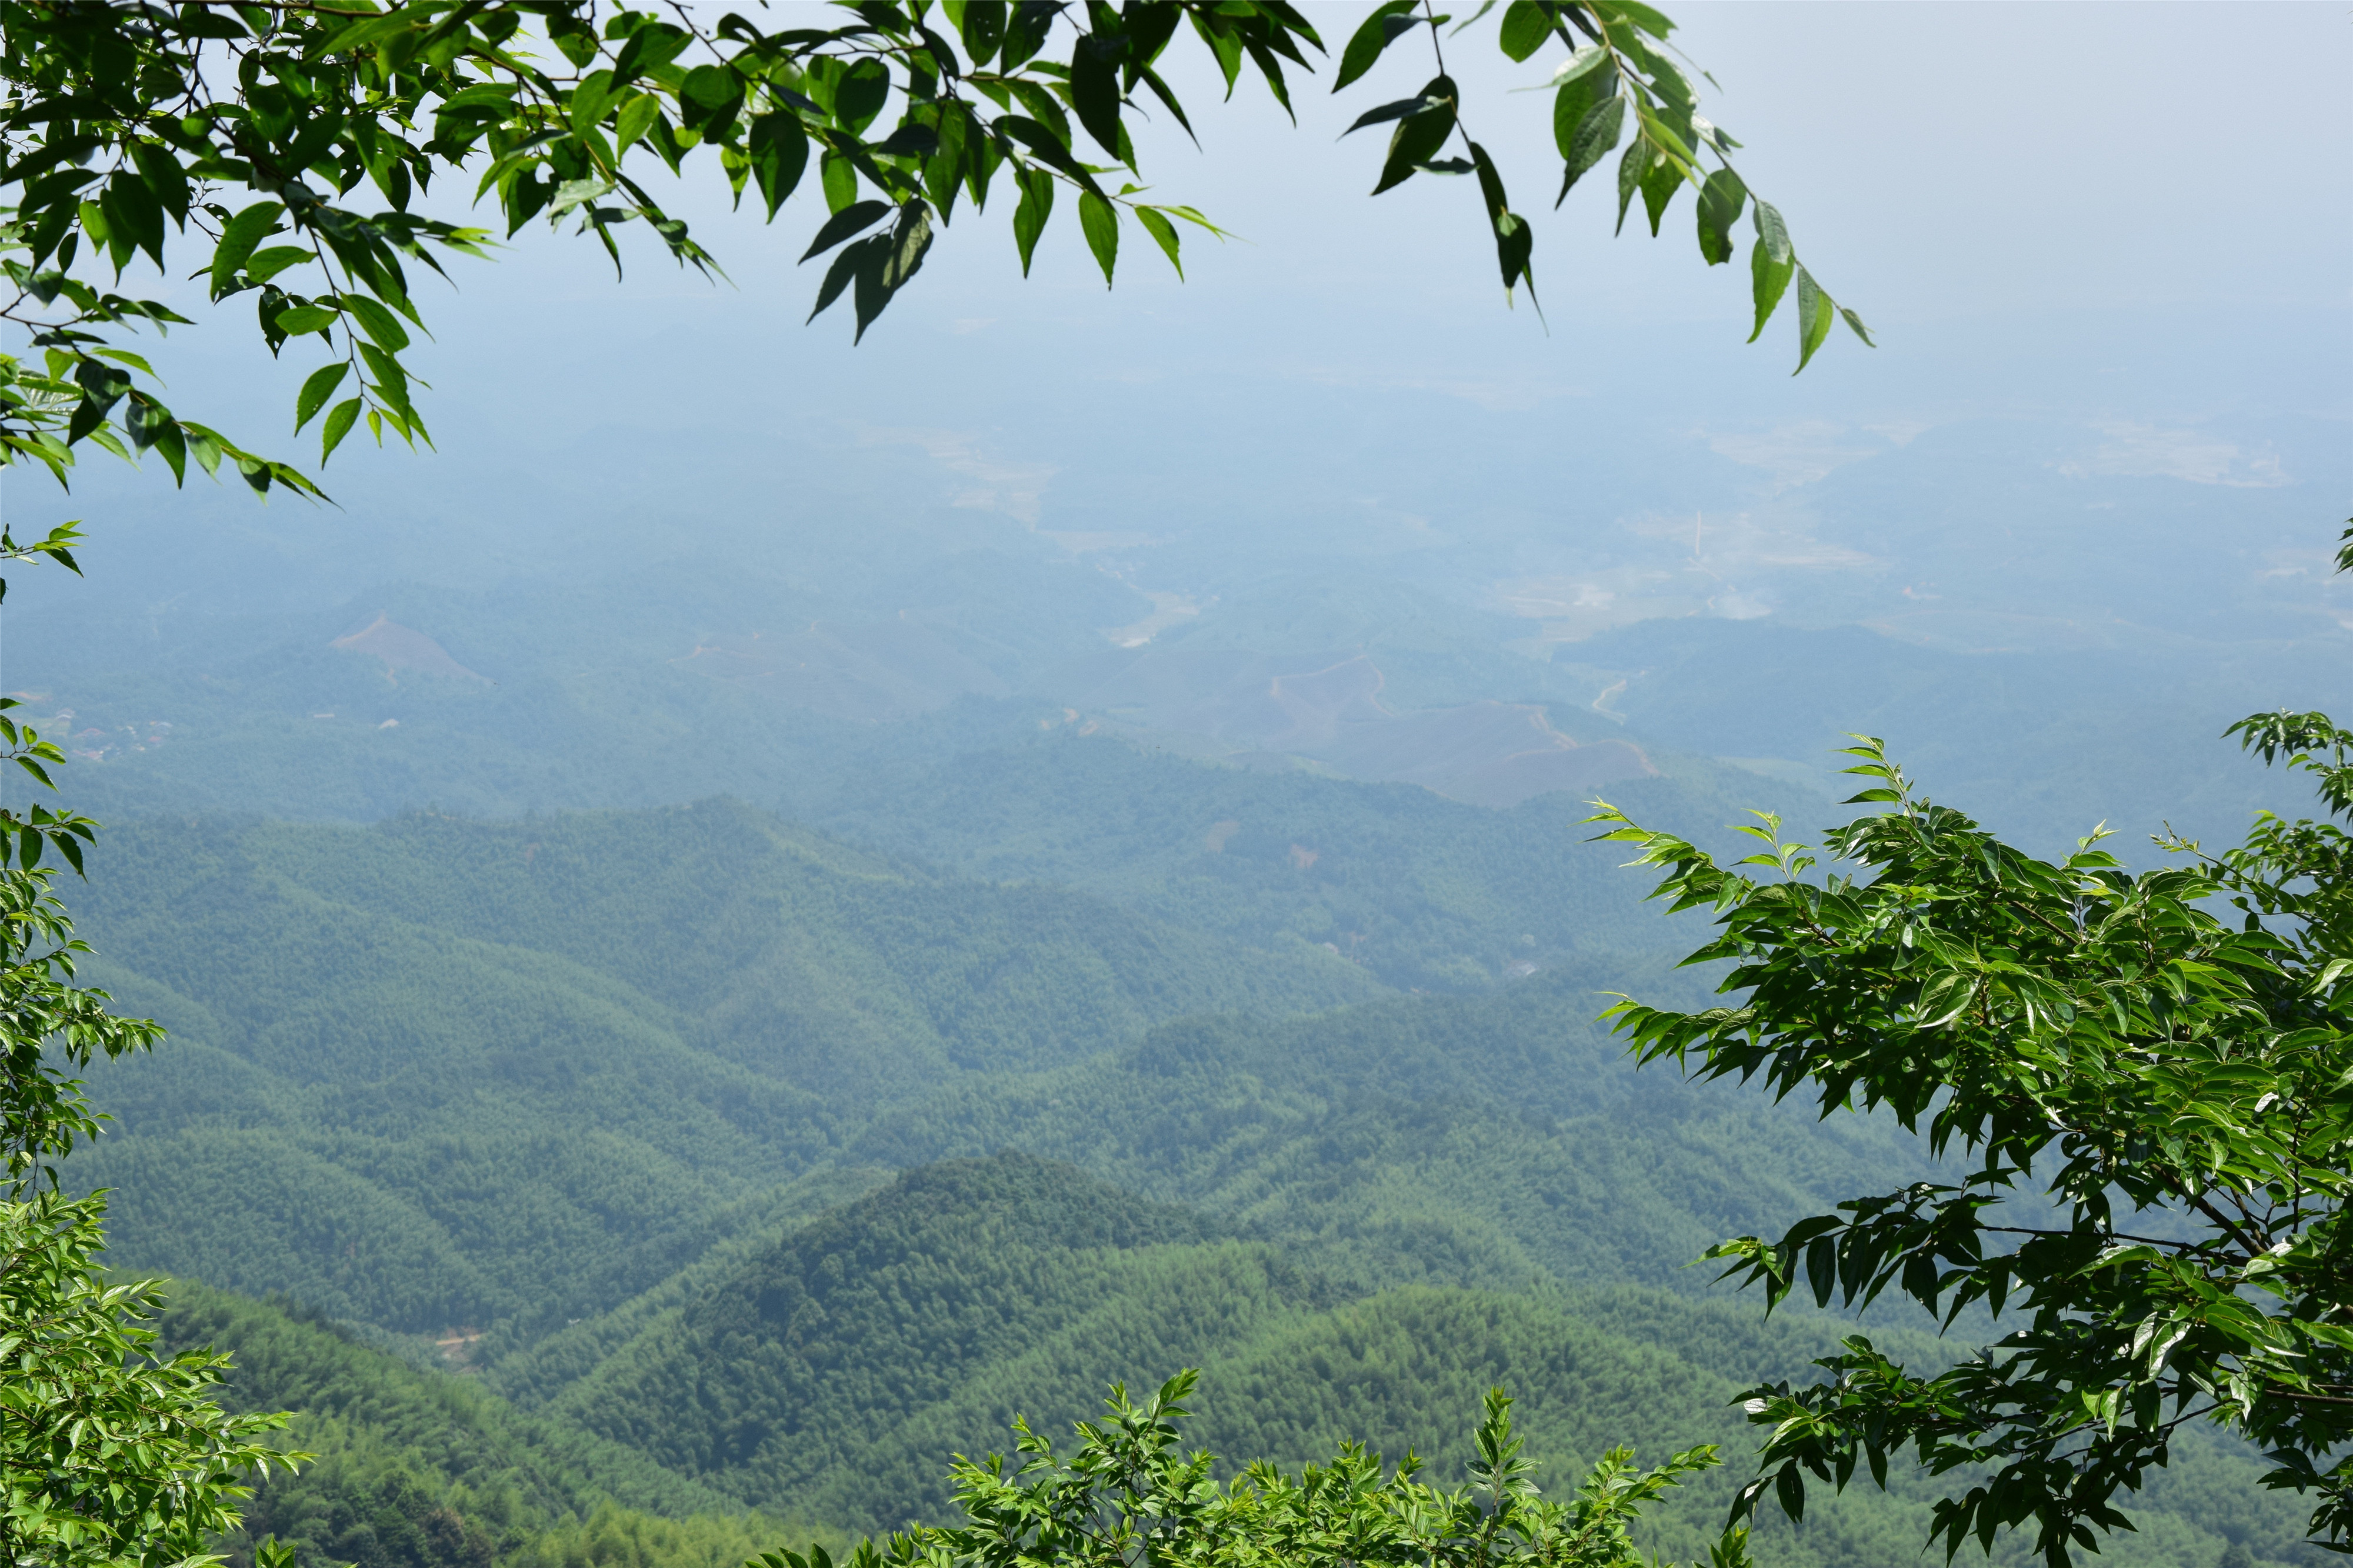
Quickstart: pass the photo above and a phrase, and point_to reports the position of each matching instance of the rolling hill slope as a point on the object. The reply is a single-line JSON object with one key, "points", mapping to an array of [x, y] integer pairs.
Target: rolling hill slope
{"points": [[833, 1370], [466, 1073]]}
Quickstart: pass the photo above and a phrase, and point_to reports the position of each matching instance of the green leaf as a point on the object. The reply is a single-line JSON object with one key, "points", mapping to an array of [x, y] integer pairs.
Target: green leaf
{"points": [[1642, 16], [1094, 90], [909, 242], [1037, 206], [238, 237], [1720, 201], [1158, 226], [982, 27], [1631, 168], [1771, 263], [303, 318], [840, 179], [848, 221], [1514, 238], [1573, 99], [1855, 324], [1596, 134], [1099, 220], [838, 277], [1420, 135], [636, 116], [778, 149], [1025, 31], [1815, 312], [1390, 21], [320, 386], [264, 265], [375, 320], [1527, 25], [864, 89], [885, 263], [338, 426], [173, 446], [1660, 180]]}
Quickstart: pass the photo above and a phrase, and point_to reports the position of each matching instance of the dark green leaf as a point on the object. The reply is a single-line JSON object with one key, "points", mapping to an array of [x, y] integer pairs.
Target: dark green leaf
{"points": [[1029, 217], [1573, 99], [778, 148], [1420, 135], [1026, 29], [1390, 21], [864, 89], [1094, 90], [911, 140], [1720, 201], [1660, 180], [1526, 24], [1099, 220], [1381, 115], [848, 221]]}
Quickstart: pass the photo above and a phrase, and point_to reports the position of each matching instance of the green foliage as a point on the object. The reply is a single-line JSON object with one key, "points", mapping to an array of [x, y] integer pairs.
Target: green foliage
{"points": [[852, 1357], [2172, 1090], [1128, 1491], [108, 1456], [120, 129], [465, 1073], [422, 1470]]}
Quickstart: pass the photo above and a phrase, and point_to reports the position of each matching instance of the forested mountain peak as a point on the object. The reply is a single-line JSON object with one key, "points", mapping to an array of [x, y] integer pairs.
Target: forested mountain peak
{"points": [[988, 1207], [889, 1308]]}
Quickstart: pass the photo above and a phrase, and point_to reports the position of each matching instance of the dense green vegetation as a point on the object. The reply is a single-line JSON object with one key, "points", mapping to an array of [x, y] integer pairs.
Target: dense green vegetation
{"points": [[437, 1056], [439, 1124], [867, 1345], [829, 1372], [465, 1073], [2153, 1097], [422, 1470]]}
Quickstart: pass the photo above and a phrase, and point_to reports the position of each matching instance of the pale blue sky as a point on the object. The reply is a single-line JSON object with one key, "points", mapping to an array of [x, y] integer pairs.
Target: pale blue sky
{"points": [[2127, 225]]}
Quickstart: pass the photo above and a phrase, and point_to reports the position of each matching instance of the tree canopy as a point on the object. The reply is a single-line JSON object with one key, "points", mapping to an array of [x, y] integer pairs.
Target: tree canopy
{"points": [[1128, 1493], [2160, 1100], [287, 147], [108, 1455]]}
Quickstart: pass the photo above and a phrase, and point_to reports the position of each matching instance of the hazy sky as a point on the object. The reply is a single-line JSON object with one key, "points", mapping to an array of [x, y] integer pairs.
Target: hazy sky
{"points": [[2096, 217]]}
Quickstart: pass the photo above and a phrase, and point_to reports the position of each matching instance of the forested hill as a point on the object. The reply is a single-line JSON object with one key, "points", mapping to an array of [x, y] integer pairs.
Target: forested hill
{"points": [[461, 1073], [487, 1079], [756, 1167], [833, 1372], [418, 1468]]}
